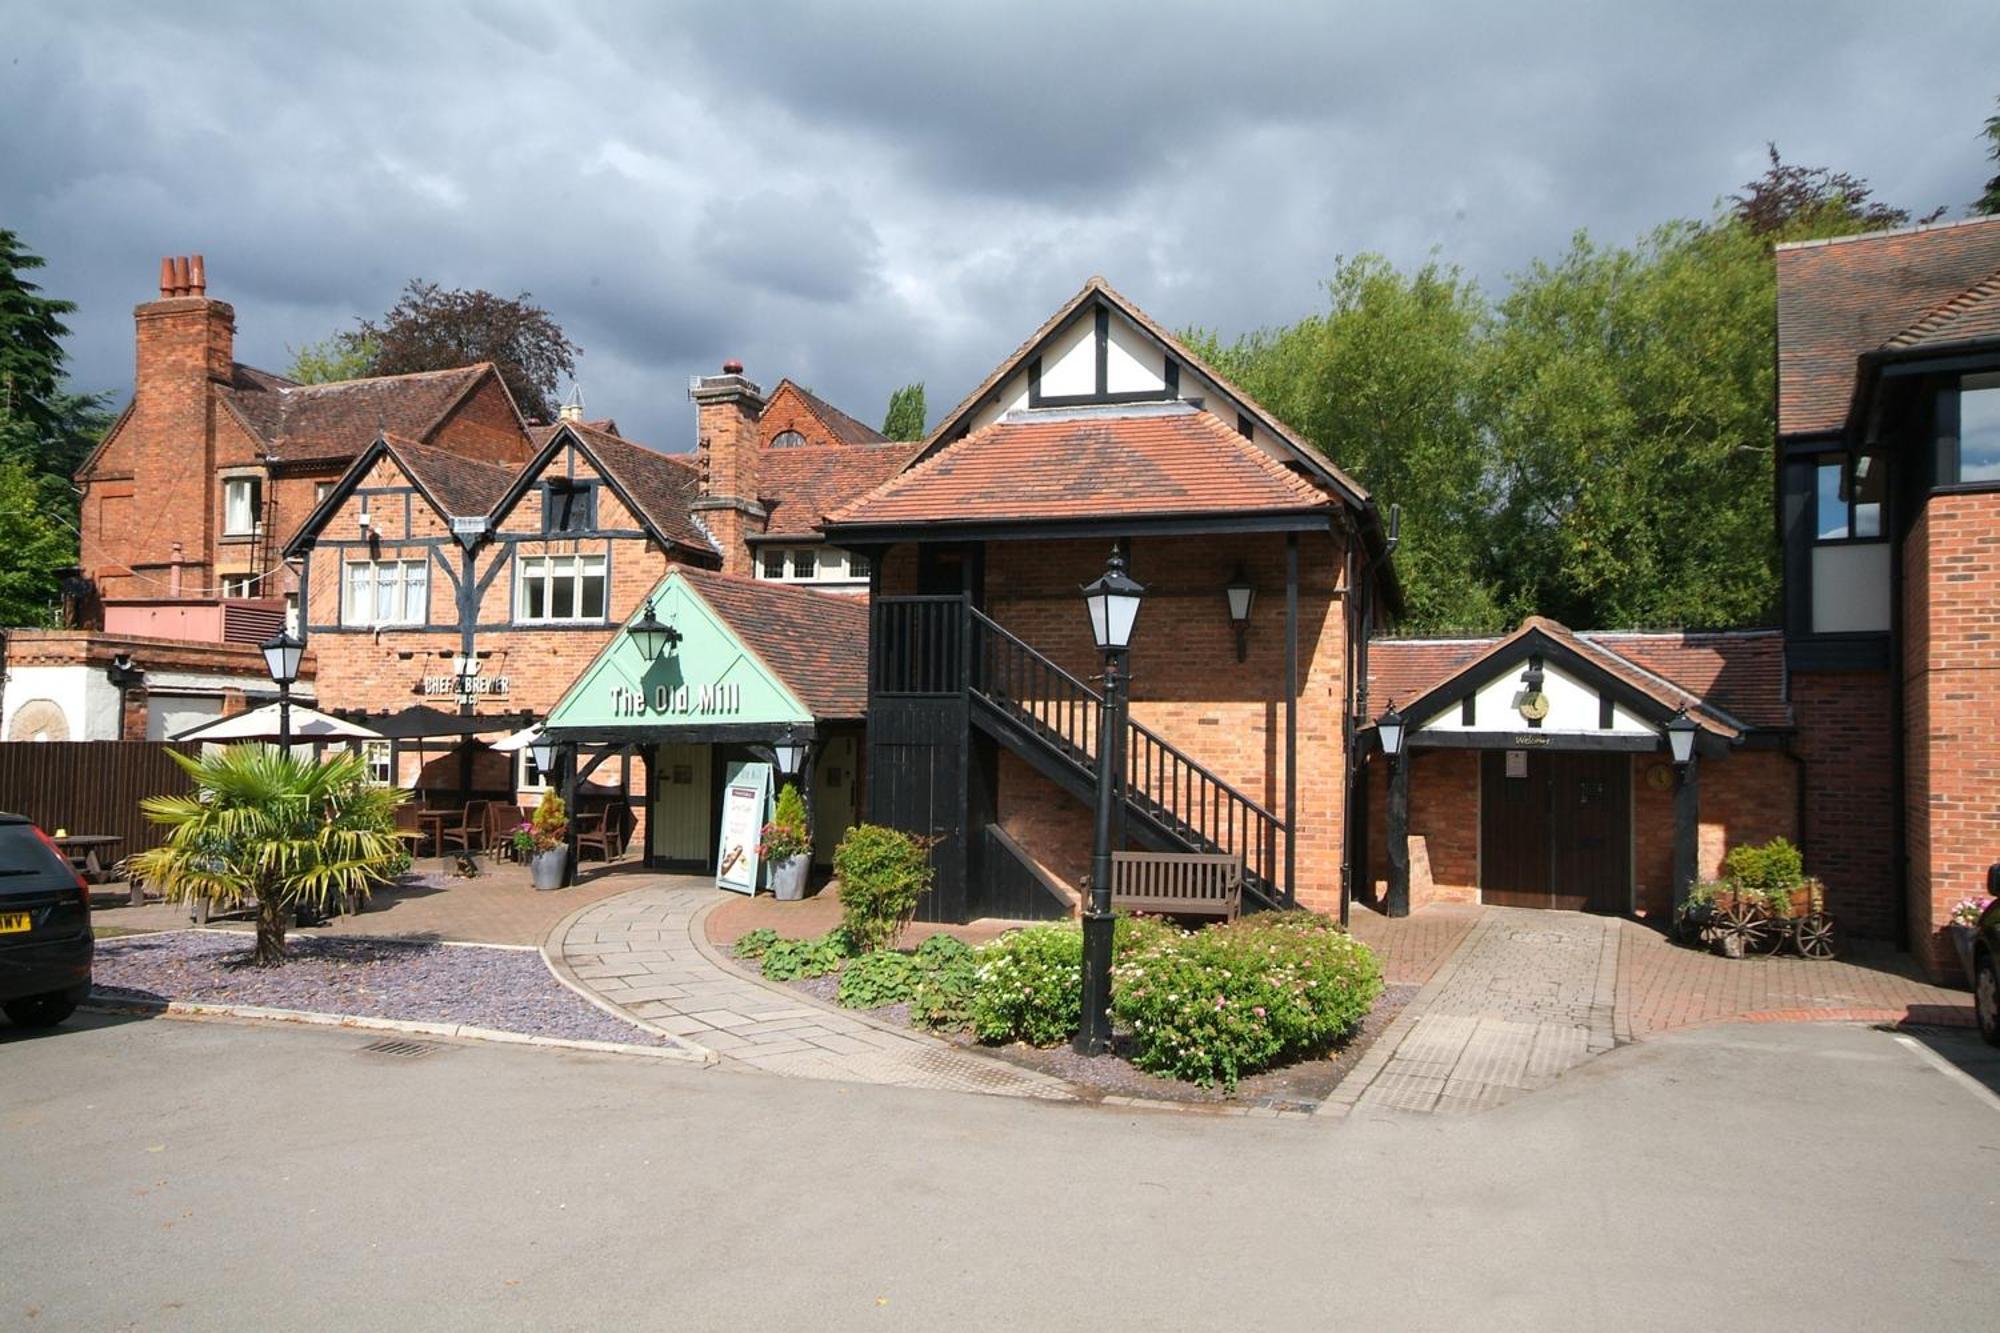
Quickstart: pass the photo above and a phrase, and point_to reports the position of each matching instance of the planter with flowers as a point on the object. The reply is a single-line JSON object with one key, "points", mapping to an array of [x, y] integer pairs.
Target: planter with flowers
{"points": [[543, 842], [786, 846], [1963, 928]]}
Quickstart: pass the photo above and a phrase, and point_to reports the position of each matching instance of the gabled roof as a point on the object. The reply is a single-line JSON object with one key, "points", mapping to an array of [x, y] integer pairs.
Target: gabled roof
{"points": [[1841, 299], [1973, 315], [1729, 683], [660, 486], [455, 484], [816, 642], [1165, 460], [799, 487], [334, 422], [1097, 289], [842, 428]]}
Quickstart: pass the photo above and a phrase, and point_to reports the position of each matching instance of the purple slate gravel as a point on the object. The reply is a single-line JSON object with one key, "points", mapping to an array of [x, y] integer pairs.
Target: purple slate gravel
{"points": [[506, 989]]}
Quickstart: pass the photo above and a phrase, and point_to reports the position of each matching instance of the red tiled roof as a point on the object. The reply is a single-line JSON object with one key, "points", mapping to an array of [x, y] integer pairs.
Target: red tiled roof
{"points": [[816, 642], [843, 428], [335, 422], [1840, 299], [801, 486], [1724, 679], [662, 485], [1085, 464], [464, 486], [1973, 314]]}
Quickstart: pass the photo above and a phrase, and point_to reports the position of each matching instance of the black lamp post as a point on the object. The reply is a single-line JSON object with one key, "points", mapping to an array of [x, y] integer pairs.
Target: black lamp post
{"points": [[1681, 730], [1392, 727], [282, 654], [1113, 600], [651, 634]]}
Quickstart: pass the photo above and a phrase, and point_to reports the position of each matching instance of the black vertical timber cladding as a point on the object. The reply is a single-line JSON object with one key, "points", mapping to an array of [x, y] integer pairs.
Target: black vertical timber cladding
{"points": [[917, 754]]}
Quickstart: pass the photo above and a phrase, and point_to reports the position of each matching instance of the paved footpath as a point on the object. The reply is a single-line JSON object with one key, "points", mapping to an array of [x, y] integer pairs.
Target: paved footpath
{"points": [[645, 955], [1525, 997]]}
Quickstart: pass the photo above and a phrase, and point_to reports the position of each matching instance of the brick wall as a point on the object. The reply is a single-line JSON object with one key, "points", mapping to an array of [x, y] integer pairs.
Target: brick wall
{"points": [[1846, 740], [485, 425], [787, 410], [1748, 796], [1444, 815], [1951, 712]]}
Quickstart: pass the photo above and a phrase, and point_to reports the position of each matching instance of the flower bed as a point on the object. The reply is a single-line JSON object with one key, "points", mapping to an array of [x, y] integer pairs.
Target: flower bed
{"points": [[509, 990]]}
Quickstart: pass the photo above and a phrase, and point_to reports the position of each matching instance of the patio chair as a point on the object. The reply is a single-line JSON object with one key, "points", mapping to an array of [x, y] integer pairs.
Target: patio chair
{"points": [[410, 829], [501, 821], [469, 830], [605, 831]]}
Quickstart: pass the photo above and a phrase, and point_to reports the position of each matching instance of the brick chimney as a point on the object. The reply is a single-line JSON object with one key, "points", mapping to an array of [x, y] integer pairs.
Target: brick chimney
{"points": [[185, 346], [726, 411]]}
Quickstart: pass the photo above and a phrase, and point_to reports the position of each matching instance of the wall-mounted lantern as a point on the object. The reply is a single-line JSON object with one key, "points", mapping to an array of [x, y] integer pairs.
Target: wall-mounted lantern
{"points": [[791, 753], [652, 636], [1390, 727], [1680, 737], [1242, 595]]}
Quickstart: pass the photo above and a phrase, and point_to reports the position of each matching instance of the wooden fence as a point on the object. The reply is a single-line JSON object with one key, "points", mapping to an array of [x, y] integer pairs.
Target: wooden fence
{"points": [[91, 786]]}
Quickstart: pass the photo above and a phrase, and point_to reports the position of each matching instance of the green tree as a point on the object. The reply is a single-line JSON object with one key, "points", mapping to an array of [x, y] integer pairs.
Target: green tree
{"points": [[1988, 204], [1789, 203], [905, 420], [1629, 394], [431, 328], [42, 424], [278, 828], [1383, 383], [339, 356], [38, 541]]}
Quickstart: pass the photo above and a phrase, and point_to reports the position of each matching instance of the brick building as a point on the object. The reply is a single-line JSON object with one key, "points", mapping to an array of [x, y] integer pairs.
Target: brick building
{"points": [[1889, 506]]}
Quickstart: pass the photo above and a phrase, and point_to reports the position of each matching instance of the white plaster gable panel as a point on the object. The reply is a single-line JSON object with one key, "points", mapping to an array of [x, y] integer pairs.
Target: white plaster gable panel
{"points": [[1069, 363], [86, 696], [1133, 363], [1573, 707]]}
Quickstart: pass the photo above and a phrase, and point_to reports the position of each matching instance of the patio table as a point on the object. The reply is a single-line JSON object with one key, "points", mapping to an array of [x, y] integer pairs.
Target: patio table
{"points": [[82, 850]]}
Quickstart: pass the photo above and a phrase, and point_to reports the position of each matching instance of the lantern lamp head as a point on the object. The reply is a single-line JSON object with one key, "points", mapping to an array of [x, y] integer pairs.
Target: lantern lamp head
{"points": [[791, 752], [543, 751], [1391, 726], [1242, 595], [1680, 737], [282, 655], [651, 635], [1113, 600]]}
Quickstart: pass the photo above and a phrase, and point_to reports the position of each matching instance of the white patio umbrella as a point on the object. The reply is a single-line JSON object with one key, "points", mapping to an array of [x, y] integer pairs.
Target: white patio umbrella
{"points": [[261, 724], [519, 740]]}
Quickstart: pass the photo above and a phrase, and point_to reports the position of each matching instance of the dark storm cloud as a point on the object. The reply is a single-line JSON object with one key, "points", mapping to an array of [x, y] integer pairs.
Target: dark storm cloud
{"points": [[861, 195]]}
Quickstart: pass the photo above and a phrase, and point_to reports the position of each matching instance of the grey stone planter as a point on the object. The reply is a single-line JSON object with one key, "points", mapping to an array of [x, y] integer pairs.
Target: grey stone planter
{"points": [[788, 878], [547, 867]]}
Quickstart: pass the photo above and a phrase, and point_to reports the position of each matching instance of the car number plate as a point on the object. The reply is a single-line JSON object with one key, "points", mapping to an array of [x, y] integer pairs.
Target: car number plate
{"points": [[13, 923]]}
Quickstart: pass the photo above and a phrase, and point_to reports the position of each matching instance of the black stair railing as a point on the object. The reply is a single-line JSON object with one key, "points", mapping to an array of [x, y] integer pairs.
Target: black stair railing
{"points": [[1187, 801]]}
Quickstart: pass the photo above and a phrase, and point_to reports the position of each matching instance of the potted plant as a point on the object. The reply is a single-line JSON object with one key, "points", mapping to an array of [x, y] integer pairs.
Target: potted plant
{"points": [[786, 846], [1963, 928], [543, 842]]}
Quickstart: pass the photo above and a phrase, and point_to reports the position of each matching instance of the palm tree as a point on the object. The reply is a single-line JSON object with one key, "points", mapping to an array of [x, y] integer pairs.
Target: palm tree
{"points": [[272, 827]]}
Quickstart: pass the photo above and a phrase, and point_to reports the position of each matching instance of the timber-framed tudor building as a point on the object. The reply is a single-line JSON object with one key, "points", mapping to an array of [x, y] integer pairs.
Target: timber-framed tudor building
{"points": [[911, 611]]}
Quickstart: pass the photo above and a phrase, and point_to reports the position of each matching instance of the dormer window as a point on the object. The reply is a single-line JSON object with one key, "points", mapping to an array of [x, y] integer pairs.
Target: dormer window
{"points": [[242, 506], [788, 439]]}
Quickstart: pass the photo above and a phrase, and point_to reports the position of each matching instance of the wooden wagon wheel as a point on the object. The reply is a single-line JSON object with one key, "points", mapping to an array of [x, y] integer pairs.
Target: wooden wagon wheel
{"points": [[1739, 930], [1814, 937]]}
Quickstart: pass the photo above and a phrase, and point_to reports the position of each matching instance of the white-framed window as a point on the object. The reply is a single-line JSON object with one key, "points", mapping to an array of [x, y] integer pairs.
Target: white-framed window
{"points": [[322, 489], [810, 564], [241, 585], [385, 592], [530, 777], [242, 506], [559, 588], [380, 756]]}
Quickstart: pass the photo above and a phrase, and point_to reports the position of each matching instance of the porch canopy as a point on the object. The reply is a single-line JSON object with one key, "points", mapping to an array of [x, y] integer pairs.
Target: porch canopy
{"points": [[748, 662], [1546, 689]]}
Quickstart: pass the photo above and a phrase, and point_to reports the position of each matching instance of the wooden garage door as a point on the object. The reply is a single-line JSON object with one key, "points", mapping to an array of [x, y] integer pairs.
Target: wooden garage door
{"points": [[1558, 833]]}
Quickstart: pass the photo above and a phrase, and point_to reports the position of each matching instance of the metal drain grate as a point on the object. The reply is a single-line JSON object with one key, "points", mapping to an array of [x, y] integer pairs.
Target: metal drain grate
{"points": [[402, 1048]]}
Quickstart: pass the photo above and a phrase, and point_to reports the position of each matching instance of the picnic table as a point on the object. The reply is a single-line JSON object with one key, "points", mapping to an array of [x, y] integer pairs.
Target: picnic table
{"points": [[82, 850]]}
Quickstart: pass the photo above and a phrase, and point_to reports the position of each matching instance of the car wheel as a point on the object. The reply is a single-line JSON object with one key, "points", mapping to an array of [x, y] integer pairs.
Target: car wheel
{"points": [[40, 1011], [1986, 996]]}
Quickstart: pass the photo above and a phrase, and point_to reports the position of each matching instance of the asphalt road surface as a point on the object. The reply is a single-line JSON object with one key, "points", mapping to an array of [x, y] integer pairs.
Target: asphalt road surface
{"points": [[183, 1175]]}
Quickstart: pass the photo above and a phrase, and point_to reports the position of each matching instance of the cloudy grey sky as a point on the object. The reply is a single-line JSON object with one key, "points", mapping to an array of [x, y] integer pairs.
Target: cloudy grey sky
{"points": [[862, 194]]}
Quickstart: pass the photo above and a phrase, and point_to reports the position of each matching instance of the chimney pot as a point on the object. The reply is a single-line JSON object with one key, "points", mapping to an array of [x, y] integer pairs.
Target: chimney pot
{"points": [[182, 279], [198, 280], [166, 277], [732, 367]]}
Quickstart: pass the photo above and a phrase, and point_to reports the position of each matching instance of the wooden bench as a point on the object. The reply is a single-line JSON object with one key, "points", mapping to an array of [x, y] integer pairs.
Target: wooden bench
{"points": [[1178, 883]]}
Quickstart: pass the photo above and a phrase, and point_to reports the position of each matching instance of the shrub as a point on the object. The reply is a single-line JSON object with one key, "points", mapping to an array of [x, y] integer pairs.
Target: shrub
{"points": [[1230, 1000], [947, 977], [787, 835], [876, 979], [753, 943], [786, 960], [1030, 985], [1774, 867], [883, 875]]}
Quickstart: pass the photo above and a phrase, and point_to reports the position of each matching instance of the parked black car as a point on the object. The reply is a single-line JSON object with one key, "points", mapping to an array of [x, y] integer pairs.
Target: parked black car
{"points": [[1986, 969], [45, 940]]}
